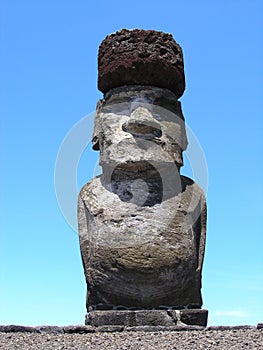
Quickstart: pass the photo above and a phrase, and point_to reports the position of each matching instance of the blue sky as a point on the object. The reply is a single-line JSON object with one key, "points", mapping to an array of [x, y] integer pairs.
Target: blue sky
{"points": [[49, 83]]}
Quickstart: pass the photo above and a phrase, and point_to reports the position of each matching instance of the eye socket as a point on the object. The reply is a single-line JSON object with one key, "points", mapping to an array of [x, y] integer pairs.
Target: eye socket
{"points": [[122, 108]]}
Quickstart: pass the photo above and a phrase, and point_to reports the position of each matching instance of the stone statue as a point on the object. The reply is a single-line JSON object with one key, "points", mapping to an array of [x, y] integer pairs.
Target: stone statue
{"points": [[142, 226]]}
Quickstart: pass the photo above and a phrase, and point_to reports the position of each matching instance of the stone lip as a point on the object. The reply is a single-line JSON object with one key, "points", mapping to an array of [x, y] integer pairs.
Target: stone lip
{"points": [[82, 329], [141, 57]]}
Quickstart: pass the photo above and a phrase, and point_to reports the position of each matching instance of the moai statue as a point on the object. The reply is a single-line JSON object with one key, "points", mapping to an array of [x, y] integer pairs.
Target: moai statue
{"points": [[142, 226]]}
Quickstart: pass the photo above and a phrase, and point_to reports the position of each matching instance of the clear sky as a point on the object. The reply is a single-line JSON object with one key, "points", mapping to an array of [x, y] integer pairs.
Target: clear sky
{"points": [[49, 83]]}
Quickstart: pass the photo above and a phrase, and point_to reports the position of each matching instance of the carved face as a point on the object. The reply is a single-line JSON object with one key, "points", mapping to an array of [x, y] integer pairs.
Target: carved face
{"points": [[136, 124]]}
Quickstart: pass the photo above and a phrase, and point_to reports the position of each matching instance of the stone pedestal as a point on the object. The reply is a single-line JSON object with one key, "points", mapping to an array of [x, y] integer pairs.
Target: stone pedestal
{"points": [[148, 319]]}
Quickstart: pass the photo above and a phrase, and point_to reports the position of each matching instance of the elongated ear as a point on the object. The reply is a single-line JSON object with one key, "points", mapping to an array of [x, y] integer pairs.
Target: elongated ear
{"points": [[95, 137], [183, 141]]}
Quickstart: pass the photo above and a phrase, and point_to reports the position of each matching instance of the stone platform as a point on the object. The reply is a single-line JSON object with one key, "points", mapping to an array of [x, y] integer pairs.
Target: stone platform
{"points": [[148, 319]]}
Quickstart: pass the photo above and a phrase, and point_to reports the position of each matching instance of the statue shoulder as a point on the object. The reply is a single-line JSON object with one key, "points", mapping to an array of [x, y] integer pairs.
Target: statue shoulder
{"points": [[89, 188]]}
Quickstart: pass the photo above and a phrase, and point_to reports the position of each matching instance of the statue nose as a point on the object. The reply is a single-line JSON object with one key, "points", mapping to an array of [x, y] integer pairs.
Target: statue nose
{"points": [[141, 123]]}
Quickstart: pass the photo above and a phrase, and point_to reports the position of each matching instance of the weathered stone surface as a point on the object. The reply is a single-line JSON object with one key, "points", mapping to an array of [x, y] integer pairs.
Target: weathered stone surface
{"points": [[110, 329], [112, 318], [141, 57], [103, 307], [142, 226], [194, 317], [82, 329], [147, 318], [218, 328], [243, 326], [79, 329], [149, 328], [17, 328], [130, 318], [129, 265], [49, 329], [153, 318], [127, 123], [163, 328], [162, 316]]}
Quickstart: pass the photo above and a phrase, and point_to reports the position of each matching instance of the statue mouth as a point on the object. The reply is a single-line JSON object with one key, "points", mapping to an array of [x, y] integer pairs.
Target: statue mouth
{"points": [[139, 183], [142, 182]]}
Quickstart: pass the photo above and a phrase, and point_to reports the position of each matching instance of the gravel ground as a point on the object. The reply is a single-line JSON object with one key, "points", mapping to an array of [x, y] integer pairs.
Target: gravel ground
{"points": [[183, 340]]}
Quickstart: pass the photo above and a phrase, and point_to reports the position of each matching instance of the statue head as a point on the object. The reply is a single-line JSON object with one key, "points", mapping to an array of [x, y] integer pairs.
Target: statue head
{"points": [[139, 124]]}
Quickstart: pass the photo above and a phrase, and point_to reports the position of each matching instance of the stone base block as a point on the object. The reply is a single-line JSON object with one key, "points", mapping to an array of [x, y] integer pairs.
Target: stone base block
{"points": [[140, 319]]}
